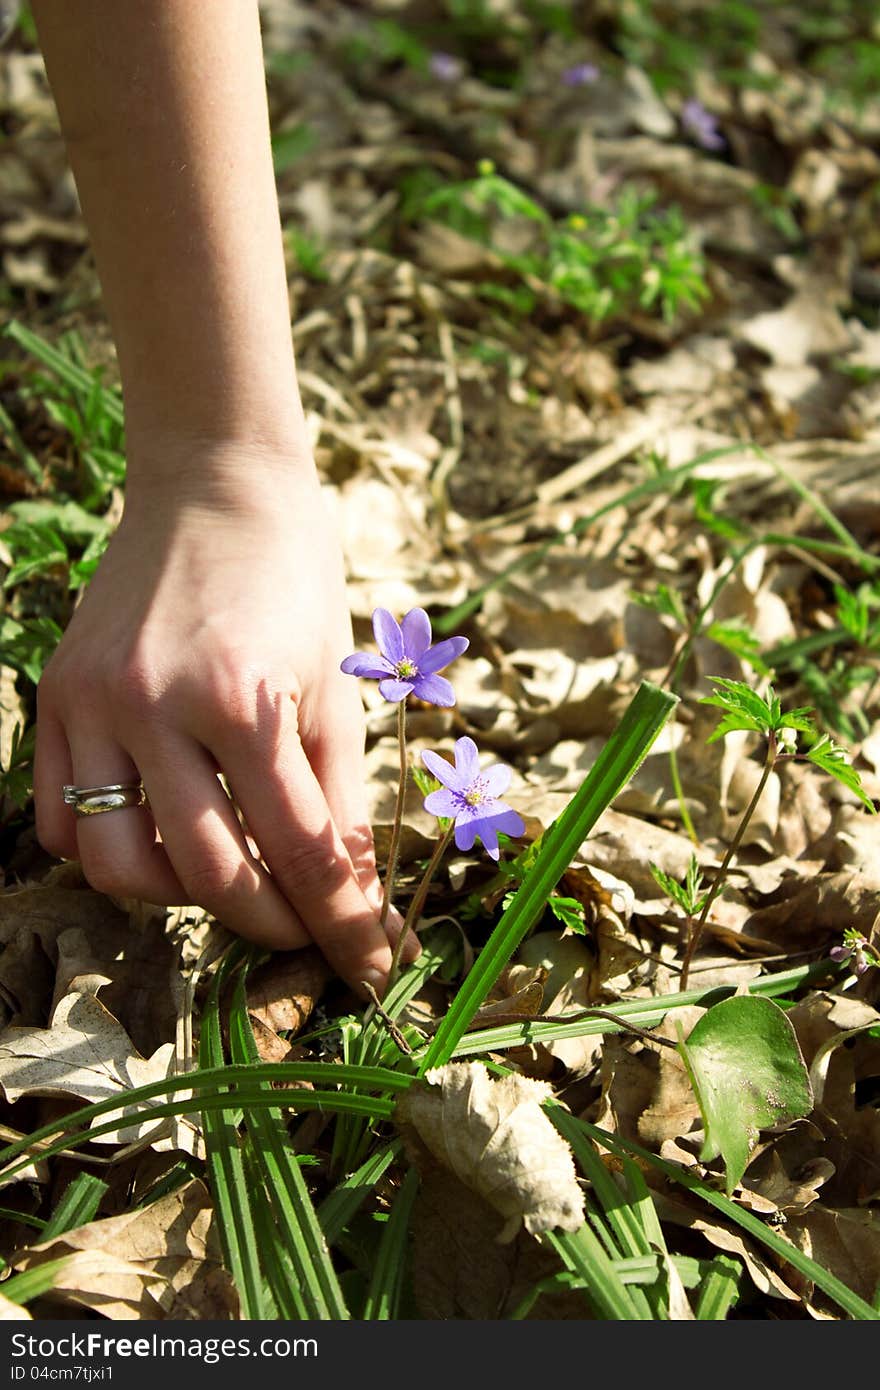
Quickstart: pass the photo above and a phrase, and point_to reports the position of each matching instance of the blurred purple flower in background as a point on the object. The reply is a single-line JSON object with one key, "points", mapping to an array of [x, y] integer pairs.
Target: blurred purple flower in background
{"points": [[407, 663], [446, 67], [702, 125], [856, 948], [470, 797], [580, 75]]}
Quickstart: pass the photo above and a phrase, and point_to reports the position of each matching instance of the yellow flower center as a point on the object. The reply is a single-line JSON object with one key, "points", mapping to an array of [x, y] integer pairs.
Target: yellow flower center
{"points": [[406, 668]]}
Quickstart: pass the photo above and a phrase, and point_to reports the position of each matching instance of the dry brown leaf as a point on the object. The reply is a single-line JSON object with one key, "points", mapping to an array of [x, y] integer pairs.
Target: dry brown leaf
{"points": [[846, 1243], [12, 1312], [646, 1093], [161, 1261], [84, 1053], [772, 1188], [569, 963], [493, 1134], [282, 993], [460, 1267], [850, 1134], [808, 914]]}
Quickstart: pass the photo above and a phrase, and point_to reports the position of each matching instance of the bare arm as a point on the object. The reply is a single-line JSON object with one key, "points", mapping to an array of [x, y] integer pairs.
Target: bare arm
{"points": [[211, 635]]}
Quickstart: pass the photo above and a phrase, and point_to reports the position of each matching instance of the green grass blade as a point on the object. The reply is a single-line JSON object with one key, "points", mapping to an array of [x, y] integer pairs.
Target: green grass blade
{"points": [[337, 1102], [616, 764], [718, 1290], [843, 1296], [383, 1296], [645, 1013], [281, 1286], [226, 1167], [42, 1279], [10, 1214], [299, 1230], [77, 1207], [67, 371], [346, 1199], [581, 1252], [812, 499]]}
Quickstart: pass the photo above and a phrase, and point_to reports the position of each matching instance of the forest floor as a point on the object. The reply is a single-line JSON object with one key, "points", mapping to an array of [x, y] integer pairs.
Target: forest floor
{"points": [[587, 322]]}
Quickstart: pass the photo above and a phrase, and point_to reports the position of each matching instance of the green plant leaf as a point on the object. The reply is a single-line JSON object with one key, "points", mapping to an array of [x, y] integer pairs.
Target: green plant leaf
{"points": [[828, 755], [748, 1074]]}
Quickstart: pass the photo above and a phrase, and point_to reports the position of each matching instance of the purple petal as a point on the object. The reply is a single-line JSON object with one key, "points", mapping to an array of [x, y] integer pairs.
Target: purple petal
{"points": [[508, 821], [436, 690], [580, 74], [395, 691], [443, 771], [486, 831], [389, 638], [440, 655], [496, 779], [467, 760], [466, 828], [416, 629], [366, 664], [442, 803], [840, 953]]}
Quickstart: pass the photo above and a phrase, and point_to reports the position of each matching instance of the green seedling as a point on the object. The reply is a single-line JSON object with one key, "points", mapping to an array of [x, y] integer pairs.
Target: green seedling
{"points": [[744, 709], [605, 263]]}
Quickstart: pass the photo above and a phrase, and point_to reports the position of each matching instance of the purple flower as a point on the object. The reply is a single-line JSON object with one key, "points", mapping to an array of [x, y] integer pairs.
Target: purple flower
{"points": [[856, 949], [580, 75], [408, 663], [446, 67], [470, 797], [702, 125]]}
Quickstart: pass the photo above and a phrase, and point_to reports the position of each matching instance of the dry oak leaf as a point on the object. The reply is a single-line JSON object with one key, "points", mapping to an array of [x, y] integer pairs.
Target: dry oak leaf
{"points": [[159, 1261], [493, 1134], [85, 1053]]}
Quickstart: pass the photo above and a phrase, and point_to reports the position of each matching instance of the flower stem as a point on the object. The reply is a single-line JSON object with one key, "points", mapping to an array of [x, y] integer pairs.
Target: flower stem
{"points": [[697, 932], [418, 902], [394, 847]]}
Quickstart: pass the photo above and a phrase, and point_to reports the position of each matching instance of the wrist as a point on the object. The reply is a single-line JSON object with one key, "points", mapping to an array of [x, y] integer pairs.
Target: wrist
{"points": [[182, 470]]}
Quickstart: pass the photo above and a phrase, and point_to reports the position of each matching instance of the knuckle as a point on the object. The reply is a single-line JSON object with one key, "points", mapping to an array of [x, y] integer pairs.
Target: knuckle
{"points": [[135, 687], [110, 876], [214, 881], [312, 868]]}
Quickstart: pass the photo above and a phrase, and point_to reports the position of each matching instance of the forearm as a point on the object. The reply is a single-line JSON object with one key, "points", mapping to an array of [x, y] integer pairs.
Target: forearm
{"points": [[163, 107]]}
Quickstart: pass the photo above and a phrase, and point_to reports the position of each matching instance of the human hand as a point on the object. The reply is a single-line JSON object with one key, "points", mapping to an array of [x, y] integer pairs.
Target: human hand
{"points": [[210, 641]]}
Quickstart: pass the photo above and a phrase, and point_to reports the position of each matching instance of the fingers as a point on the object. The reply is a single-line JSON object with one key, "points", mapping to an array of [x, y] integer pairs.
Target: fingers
{"points": [[338, 765], [207, 847], [309, 819], [53, 768], [289, 817], [118, 850]]}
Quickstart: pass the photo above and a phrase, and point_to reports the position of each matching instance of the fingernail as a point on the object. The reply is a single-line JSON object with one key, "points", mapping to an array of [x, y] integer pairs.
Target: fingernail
{"points": [[375, 977]]}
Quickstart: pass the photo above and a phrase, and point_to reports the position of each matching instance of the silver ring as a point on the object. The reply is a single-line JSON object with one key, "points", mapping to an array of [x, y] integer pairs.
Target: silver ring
{"points": [[94, 801]]}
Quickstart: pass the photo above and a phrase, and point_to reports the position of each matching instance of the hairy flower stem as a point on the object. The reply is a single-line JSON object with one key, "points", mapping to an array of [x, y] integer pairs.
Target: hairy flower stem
{"points": [[696, 934], [394, 847], [418, 902]]}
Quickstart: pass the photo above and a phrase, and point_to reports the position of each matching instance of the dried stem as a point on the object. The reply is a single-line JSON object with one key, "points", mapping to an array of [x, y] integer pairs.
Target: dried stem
{"points": [[696, 934]]}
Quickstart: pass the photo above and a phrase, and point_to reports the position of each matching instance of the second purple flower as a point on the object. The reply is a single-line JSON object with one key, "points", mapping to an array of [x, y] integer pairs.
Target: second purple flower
{"points": [[469, 796]]}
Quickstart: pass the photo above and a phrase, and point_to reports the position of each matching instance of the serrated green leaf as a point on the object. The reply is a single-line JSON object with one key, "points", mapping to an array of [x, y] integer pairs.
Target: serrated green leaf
{"points": [[831, 758], [748, 1074]]}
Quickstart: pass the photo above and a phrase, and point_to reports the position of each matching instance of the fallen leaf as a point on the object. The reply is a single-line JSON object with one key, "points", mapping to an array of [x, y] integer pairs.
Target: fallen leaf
{"points": [[493, 1134], [846, 1243], [460, 1267], [84, 1053], [159, 1261]]}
